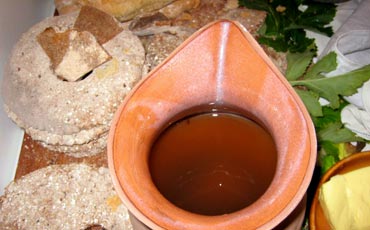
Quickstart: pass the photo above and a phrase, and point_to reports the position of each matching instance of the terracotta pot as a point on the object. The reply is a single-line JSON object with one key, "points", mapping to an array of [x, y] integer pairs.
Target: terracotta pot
{"points": [[355, 161], [220, 64]]}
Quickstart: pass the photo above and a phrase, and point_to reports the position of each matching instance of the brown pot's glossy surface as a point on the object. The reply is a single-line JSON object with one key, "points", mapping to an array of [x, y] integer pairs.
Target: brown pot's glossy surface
{"points": [[220, 64], [355, 161]]}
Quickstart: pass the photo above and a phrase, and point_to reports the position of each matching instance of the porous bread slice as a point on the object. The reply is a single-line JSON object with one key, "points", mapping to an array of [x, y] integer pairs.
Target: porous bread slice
{"points": [[68, 197], [61, 113], [83, 55], [55, 44], [94, 146], [103, 26], [72, 53], [75, 52]]}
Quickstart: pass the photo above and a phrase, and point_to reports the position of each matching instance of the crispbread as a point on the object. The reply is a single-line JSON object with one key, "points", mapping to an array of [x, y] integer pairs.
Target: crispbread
{"points": [[69, 115], [73, 196], [102, 25]]}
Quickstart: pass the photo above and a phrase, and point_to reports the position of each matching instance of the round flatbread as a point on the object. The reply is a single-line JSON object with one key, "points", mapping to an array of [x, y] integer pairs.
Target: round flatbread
{"points": [[73, 196], [69, 116]]}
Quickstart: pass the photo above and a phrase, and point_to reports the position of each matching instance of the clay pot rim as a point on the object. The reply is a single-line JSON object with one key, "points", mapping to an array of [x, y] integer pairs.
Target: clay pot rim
{"points": [[301, 187], [350, 163]]}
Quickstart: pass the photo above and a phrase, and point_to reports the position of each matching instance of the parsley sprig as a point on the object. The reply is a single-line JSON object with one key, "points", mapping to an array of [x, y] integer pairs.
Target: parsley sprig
{"points": [[310, 83], [316, 85], [286, 22]]}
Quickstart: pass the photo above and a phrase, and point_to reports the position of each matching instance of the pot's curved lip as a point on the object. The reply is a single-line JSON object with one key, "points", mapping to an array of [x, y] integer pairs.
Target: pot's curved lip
{"points": [[305, 170], [350, 163]]}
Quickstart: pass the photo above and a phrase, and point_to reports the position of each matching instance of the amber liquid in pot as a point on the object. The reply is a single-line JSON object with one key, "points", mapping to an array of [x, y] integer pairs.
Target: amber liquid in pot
{"points": [[213, 163]]}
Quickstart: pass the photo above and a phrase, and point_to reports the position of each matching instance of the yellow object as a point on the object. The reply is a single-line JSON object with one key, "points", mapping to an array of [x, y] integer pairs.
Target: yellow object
{"points": [[110, 69], [113, 202], [345, 200]]}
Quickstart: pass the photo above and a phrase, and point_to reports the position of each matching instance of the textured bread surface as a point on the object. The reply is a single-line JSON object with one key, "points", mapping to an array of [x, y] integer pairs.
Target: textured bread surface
{"points": [[54, 44], [121, 9], [102, 25], [71, 116], [161, 34], [73, 196], [34, 156]]}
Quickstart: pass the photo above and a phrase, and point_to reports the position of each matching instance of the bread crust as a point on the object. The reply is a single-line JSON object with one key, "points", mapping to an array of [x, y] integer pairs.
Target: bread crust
{"points": [[69, 114], [122, 10], [73, 196]]}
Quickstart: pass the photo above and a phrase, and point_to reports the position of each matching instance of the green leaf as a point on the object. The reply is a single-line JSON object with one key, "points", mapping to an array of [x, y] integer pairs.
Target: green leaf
{"points": [[336, 133], [273, 23], [297, 40], [329, 116], [277, 44], [331, 87], [316, 18], [284, 29], [343, 153], [298, 64], [325, 65], [330, 153], [311, 101], [327, 162], [287, 22], [329, 127]]}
